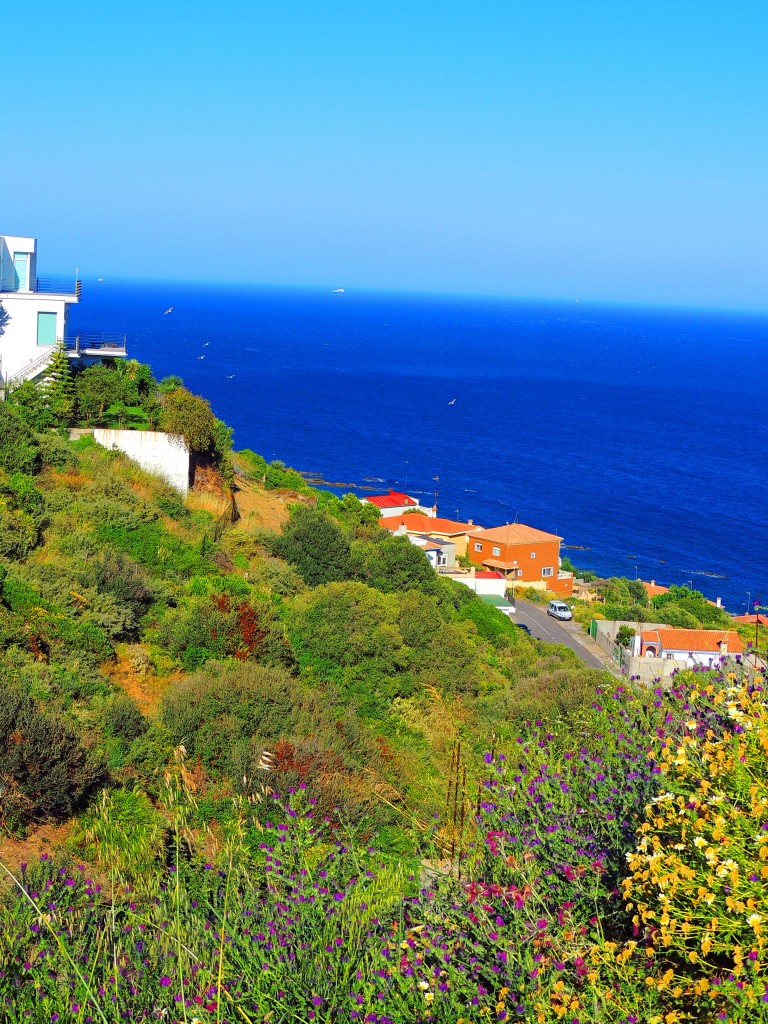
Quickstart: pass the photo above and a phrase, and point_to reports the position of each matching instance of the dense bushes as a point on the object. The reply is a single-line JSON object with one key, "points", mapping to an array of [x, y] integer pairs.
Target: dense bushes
{"points": [[44, 772], [19, 451], [315, 546]]}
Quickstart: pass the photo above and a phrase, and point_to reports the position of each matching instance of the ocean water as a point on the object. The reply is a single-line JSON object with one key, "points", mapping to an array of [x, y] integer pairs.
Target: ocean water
{"points": [[635, 433]]}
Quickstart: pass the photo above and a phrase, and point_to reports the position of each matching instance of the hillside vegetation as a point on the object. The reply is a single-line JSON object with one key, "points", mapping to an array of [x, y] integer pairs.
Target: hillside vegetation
{"points": [[306, 779]]}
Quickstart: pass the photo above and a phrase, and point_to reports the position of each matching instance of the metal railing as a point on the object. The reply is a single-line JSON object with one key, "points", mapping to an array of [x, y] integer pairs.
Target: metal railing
{"points": [[58, 286], [107, 343], [30, 370], [46, 286]]}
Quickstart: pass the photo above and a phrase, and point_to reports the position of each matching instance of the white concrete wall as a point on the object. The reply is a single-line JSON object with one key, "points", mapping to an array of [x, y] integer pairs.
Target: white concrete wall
{"points": [[400, 510], [164, 454], [10, 244], [18, 345], [493, 588]]}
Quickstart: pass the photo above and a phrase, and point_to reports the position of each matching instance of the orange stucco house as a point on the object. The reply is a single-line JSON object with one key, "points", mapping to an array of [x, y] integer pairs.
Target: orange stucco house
{"points": [[525, 555]]}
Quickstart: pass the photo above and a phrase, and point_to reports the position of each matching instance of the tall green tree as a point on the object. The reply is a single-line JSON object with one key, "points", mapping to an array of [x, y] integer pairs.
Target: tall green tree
{"points": [[31, 403], [96, 388], [191, 416], [316, 546], [60, 387], [5, 316]]}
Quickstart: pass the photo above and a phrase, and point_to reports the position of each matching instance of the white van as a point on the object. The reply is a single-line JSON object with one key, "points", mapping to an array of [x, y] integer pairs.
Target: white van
{"points": [[559, 610]]}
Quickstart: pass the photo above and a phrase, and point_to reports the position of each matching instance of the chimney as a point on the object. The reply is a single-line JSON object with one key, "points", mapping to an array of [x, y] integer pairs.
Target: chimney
{"points": [[471, 522], [719, 602], [723, 645]]}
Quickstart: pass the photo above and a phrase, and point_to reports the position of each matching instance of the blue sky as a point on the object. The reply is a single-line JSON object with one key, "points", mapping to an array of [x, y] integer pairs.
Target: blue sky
{"points": [[600, 150]]}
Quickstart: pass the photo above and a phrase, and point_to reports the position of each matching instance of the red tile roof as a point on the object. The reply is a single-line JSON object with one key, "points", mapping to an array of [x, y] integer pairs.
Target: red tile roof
{"points": [[516, 533], [704, 640], [430, 524], [392, 500], [489, 575]]}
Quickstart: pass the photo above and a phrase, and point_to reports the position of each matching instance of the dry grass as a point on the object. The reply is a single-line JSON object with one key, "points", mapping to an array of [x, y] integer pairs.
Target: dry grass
{"points": [[204, 501]]}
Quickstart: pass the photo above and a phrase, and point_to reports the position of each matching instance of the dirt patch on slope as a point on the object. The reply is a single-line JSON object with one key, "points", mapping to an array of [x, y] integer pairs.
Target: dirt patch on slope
{"points": [[41, 839], [259, 509], [132, 672]]}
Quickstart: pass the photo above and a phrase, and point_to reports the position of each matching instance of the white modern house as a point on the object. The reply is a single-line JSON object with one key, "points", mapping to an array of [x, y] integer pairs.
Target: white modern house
{"points": [[38, 310]]}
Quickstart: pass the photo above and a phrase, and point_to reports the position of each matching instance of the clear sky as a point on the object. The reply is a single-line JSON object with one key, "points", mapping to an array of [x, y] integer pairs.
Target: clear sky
{"points": [[595, 150]]}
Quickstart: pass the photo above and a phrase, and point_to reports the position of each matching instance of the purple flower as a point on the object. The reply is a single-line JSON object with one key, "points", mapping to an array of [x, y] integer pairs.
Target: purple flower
{"points": [[165, 981]]}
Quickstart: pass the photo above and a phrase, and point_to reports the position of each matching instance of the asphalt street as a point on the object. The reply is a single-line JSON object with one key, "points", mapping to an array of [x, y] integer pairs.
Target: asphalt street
{"points": [[544, 627]]}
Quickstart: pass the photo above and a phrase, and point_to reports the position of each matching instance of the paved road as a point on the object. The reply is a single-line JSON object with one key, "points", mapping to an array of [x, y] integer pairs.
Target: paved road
{"points": [[544, 627]]}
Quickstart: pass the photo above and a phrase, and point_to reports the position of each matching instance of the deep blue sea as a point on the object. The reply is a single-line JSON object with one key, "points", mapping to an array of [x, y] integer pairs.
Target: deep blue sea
{"points": [[636, 433]]}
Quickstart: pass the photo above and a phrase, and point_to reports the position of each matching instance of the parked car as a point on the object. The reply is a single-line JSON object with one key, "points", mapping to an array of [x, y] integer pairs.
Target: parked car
{"points": [[559, 610]]}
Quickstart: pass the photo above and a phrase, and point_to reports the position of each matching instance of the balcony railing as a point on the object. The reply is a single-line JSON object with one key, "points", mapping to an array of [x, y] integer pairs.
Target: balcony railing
{"points": [[94, 344], [58, 286], [46, 286]]}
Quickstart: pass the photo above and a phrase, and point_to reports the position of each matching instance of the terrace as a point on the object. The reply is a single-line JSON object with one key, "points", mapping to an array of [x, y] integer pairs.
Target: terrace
{"points": [[47, 286], [99, 344]]}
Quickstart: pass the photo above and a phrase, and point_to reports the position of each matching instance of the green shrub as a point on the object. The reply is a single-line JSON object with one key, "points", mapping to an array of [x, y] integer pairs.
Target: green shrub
{"points": [[19, 450], [171, 505], [217, 711], [316, 546], [123, 719], [44, 771]]}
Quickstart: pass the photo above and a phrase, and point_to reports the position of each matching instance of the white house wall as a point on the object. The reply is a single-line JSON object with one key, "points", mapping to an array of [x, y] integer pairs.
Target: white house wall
{"points": [[164, 454], [18, 345], [9, 246]]}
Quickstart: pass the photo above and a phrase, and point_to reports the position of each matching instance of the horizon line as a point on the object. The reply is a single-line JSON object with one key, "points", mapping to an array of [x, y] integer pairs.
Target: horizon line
{"points": [[332, 287]]}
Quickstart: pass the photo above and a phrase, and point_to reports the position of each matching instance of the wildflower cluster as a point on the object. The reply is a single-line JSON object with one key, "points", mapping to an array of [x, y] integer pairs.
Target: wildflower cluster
{"points": [[532, 918], [699, 875]]}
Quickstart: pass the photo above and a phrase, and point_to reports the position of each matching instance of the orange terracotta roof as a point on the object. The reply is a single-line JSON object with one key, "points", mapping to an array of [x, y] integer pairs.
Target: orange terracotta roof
{"points": [[427, 524], [516, 533], [498, 563], [653, 588], [705, 640], [749, 619]]}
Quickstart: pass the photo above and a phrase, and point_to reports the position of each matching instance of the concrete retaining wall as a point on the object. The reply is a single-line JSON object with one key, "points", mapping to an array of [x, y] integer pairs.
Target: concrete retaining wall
{"points": [[164, 454]]}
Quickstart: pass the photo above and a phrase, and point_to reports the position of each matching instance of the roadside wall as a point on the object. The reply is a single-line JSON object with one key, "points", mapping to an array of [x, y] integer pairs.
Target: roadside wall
{"points": [[164, 454]]}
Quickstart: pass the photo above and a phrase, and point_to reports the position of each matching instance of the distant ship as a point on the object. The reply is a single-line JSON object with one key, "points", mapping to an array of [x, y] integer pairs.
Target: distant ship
{"points": [[337, 291]]}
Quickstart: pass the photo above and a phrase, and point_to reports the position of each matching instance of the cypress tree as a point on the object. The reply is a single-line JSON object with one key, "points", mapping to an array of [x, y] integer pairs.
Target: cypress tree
{"points": [[59, 386]]}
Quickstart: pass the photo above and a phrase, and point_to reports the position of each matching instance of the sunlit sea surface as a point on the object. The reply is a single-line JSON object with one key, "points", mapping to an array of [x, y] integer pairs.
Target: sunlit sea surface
{"points": [[638, 434]]}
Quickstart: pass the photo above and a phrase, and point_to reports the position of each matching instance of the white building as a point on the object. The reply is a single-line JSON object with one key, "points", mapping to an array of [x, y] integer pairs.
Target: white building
{"points": [[485, 584], [396, 503], [38, 312]]}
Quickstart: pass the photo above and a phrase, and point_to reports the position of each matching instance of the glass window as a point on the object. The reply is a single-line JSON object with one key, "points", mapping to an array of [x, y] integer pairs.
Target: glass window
{"points": [[46, 328], [478, 546], [546, 571], [497, 551]]}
